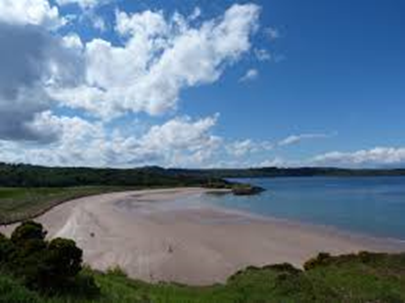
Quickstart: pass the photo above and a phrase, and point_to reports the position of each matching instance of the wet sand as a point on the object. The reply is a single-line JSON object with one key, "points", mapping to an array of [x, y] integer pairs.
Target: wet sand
{"points": [[155, 239]]}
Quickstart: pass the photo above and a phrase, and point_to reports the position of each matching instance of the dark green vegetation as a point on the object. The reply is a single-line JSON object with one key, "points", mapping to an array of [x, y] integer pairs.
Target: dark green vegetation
{"points": [[17, 204], [246, 190], [46, 267], [33, 270], [272, 172], [21, 175]]}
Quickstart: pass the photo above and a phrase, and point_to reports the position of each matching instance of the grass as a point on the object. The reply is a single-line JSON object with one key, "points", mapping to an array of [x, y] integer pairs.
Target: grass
{"points": [[18, 204], [345, 279]]}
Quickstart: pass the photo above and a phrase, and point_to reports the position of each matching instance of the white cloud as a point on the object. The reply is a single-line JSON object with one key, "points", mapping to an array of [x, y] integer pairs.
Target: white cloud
{"points": [[294, 139], [275, 162], [31, 59], [375, 157], [34, 12], [250, 75], [196, 14], [79, 142], [178, 142], [85, 4], [272, 33], [262, 54], [241, 148], [99, 23], [160, 58], [182, 141]]}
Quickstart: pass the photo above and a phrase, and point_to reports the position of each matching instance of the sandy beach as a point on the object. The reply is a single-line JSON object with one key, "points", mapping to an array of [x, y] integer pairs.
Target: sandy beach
{"points": [[156, 239]]}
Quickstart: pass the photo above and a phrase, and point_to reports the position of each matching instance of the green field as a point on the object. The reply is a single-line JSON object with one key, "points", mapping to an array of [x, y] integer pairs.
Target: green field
{"points": [[353, 278], [17, 204]]}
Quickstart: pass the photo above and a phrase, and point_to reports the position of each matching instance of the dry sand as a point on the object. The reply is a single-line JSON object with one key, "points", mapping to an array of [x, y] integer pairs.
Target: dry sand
{"points": [[156, 239]]}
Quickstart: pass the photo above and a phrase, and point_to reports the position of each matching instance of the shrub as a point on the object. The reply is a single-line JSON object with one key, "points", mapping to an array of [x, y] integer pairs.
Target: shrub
{"points": [[50, 267], [56, 268], [283, 267], [368, 257], [84, 286], [116, 271], [6, 250], [28, 230], [320, 260], [64, 257]]}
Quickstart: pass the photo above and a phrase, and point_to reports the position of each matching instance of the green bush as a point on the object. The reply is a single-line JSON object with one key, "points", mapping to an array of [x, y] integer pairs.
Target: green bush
{"points": [[283, 267], [320, 260], [6, 250], [64, 258], [116, 271], [28, 230], [49, 267]]}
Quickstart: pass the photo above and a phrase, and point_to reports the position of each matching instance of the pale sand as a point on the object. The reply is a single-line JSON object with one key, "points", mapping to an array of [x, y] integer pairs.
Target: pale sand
{"points": [[157, 240]]}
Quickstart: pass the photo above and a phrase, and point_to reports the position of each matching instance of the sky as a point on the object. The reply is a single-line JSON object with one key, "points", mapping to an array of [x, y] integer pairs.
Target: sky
{"points": [[199, 83]]}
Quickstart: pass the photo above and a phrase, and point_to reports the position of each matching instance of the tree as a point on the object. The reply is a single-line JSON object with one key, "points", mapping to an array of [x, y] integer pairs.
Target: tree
{"points": [[28, 230], [63, 262]]}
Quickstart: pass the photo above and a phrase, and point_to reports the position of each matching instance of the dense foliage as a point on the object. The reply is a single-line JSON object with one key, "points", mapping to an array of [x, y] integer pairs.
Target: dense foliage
{"points": [[21, 175], [271, 172], [50, 267]]}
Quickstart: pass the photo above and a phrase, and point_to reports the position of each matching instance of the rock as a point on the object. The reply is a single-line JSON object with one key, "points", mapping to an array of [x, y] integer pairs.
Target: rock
{"points": [[246, 190]]}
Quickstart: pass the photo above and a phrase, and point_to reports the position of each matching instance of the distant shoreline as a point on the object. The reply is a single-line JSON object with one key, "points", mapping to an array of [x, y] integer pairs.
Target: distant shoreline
{"points": [[200, 245]]}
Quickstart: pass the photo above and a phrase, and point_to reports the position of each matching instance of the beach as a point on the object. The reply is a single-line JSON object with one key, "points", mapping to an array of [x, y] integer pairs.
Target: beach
{"points": [[153, 238]]}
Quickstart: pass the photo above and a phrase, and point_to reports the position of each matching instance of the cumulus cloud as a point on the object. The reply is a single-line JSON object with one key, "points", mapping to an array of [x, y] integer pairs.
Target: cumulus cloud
{"points": [[160, 58], [250, 75], [30, 58], [34, 12], [241, 148], [375, 157], [178, 142], [84, 4]]}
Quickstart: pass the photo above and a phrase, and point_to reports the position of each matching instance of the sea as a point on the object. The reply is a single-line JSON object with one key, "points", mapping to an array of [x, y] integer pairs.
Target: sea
{"points": [[373, 206]]}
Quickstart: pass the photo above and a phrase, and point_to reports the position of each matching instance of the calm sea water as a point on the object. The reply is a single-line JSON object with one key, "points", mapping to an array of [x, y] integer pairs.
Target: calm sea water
{"points": [[372, 205]]}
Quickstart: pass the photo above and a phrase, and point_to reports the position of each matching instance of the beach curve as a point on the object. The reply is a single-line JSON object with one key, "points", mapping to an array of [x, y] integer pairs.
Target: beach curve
{"points": [[154, 239]]}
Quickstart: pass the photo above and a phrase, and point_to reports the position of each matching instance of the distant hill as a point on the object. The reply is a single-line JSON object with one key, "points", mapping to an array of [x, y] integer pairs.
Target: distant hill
{"points": [[272, 172], [24, 175]]}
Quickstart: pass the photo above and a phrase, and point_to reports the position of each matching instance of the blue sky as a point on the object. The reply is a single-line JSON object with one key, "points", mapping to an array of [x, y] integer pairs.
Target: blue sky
{"points": [[203, 83]]}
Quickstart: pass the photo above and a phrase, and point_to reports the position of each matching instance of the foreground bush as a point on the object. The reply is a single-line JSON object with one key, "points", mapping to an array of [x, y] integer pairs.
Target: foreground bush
{"points": [[51, 267]]}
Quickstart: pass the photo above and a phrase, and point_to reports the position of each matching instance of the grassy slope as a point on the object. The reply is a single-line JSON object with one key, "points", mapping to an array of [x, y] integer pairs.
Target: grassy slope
{"points": [[17, 204], [380, 279]]}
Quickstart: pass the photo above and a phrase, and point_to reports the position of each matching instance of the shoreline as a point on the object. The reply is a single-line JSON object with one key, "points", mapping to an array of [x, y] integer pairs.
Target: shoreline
{"points": [[154, 237]]}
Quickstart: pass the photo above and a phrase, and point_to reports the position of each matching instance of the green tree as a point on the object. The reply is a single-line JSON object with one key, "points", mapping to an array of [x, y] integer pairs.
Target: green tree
{"points": [[63, 262], [28, 230]]}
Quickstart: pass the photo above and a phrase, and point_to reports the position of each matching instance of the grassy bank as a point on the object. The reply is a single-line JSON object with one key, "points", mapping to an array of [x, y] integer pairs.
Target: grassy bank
{"points": [[17, 204], [353, 278]]}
